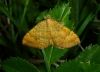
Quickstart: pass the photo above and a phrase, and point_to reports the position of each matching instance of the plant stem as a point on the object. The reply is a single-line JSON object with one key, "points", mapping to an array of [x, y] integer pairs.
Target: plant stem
{"points": [[46, 61]]}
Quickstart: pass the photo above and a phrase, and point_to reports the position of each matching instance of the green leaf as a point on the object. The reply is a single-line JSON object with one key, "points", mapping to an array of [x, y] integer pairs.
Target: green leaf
{"points": [[90, 16], [53, 54], [74, 11], [77, 66], [24, 12], [10, 69], [60, 13], [90, 67], [85, 23], [70, 66], [41, 16], [18, 65], [91, 53]]}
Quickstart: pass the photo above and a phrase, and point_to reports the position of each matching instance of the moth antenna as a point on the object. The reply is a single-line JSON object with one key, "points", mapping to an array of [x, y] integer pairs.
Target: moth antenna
{"points": [[81, 47]]}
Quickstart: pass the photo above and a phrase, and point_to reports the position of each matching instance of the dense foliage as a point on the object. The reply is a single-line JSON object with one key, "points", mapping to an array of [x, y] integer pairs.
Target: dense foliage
{"points": [[17, 17]]}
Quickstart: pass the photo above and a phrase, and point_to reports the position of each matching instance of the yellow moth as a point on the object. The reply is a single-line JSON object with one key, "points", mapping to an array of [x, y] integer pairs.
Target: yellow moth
{"points": [[50, 32]]}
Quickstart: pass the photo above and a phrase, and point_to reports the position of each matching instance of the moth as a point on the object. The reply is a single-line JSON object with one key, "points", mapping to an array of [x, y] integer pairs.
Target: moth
{"points": [[50, 32]]}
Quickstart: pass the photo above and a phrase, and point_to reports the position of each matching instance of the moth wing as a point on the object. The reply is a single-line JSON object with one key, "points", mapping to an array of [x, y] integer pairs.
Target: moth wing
{"points": [[37, 37], [63, 37]]}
